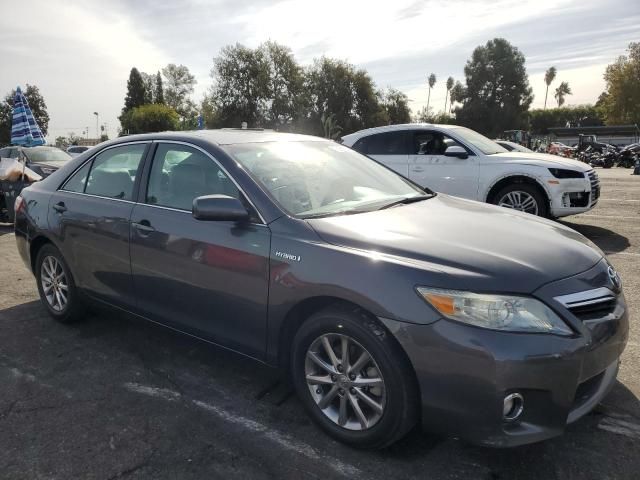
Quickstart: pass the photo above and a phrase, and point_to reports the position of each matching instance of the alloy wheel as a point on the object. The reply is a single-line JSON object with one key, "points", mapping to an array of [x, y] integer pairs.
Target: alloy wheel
{"points": [[519, 200], [54, 283], [345, 381]]}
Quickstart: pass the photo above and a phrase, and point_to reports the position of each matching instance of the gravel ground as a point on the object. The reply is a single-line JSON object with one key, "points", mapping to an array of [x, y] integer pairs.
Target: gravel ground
{"points": [[115, 397]]}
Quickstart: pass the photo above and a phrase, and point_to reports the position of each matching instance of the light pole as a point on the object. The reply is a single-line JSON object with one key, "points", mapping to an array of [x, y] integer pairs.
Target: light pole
{"points": [[97, 128]]}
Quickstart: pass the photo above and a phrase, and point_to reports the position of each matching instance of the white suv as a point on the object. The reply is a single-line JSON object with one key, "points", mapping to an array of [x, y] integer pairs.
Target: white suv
{"points": [[461, 162]]}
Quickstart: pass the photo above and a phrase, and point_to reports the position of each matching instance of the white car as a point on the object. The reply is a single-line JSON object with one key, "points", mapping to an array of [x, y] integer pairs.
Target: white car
{"points": [[464, 163]]}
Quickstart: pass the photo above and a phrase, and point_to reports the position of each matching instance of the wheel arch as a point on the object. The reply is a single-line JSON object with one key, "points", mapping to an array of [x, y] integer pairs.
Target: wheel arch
{"points": [[509, 179], [34, 247], [304, 309]]}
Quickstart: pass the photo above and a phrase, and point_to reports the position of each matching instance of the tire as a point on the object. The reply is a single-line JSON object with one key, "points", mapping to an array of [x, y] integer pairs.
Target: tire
{"points": [[531, 191], [397, 395], [49, 258]]}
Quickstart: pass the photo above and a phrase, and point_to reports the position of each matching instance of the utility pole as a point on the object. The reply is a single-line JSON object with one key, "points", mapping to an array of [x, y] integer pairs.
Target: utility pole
{"points": [[97, 127]]}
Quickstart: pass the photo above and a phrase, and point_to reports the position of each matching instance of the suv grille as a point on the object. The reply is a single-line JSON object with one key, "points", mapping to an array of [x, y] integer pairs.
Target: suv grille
{"points": [[590, 304], [595, 186]]}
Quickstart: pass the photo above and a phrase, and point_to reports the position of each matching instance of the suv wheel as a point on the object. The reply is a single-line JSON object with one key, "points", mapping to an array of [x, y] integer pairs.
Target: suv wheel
{"points": [[57, 289], [353, 379], [523, 197]]}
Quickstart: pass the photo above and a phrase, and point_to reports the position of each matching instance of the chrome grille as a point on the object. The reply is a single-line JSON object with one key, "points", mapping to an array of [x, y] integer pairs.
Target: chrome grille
{"points": [[595, 186], [590, 304]]}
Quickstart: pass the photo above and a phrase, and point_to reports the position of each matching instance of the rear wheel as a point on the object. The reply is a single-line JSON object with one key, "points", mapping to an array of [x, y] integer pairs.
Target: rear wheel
{"points": [[353, 379], [57, 289], [523, 197]]}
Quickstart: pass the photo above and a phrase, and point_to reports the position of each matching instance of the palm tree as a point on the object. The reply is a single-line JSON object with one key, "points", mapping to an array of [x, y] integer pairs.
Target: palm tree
{"points": [[549, 76], [561, 91], [449, 87], [457, 94], [432, 82]]}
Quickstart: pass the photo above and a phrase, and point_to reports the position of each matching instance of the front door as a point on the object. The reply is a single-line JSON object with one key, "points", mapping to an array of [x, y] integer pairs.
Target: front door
{"points": [[206, 277], [90, 216], [429, 167]]}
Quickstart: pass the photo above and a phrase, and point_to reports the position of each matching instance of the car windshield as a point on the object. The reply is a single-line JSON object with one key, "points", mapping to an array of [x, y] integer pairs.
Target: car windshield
{"points": [[482, 143], [314, 179], [48, 155]]}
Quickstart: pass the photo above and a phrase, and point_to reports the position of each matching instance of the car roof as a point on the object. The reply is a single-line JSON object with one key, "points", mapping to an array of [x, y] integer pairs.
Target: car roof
{"points": [[393, 128], [224, 136]]}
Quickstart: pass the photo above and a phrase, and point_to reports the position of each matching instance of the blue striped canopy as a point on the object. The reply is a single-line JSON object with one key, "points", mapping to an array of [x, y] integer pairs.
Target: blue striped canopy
{"points": [[24, 129]]}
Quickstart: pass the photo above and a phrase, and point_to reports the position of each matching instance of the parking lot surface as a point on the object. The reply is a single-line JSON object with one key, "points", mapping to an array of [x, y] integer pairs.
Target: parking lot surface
{"points": [[115, 397]]}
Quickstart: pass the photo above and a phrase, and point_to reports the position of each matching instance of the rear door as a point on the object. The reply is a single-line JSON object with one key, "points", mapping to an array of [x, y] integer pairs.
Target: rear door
{"points": [[90, 214], [389, 148], [206, 277], [429, 167]]}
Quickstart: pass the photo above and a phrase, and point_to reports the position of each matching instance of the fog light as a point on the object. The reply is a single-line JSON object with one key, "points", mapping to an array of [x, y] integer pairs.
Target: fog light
{"points": [[513, 406]]}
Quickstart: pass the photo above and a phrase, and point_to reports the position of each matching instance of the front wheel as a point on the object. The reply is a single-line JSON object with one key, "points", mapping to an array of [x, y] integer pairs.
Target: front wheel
{"points": [[353, 379], [523, 197]]}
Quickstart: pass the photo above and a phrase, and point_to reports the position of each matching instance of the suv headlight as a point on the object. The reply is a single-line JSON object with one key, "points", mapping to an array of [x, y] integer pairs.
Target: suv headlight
{"points": [[496, 312], [563, 173]]}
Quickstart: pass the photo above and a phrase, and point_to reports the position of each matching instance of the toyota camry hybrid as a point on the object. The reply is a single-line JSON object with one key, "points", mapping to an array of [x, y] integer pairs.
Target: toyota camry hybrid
{"points": [[386, 304]]}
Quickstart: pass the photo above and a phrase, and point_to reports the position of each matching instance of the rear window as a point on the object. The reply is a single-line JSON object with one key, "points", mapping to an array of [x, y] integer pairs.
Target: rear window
{"points": [[388, 143]]}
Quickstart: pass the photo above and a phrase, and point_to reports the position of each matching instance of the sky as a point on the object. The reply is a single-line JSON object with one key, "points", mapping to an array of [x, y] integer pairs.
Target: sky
{"points": [[80, 53]]}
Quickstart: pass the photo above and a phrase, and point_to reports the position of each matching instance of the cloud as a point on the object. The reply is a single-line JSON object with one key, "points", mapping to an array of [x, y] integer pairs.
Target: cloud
{"points": [[80, 54]]}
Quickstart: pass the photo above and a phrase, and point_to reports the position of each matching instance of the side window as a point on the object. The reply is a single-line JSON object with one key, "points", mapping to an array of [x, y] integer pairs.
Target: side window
{"points": [[180, 173], [4, 152], [431, 143], [114, 171], [388, 143], [77, 181]]}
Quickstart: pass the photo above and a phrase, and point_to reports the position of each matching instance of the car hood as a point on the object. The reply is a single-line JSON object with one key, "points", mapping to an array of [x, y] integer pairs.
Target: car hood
{"points": [[464, 244], [540, 159]]}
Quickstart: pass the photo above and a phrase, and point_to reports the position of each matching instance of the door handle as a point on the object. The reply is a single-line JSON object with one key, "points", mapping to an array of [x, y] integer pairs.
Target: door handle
{"points": [[143, 227], [60, 207], [417, 169]]}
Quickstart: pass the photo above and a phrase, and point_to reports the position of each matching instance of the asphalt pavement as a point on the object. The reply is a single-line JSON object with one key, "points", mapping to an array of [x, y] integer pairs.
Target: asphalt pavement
{"points": [[115, 397]]}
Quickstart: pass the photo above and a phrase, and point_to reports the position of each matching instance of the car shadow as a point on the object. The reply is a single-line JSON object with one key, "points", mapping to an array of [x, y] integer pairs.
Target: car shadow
{"points": [[608, 240]]}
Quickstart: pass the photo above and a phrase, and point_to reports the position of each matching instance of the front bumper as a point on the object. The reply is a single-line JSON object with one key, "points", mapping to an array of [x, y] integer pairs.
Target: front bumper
{"points": [[574, 195], [465, 372]]}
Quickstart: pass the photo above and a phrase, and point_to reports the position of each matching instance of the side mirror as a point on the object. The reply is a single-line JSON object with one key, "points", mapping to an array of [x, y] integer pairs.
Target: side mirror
{"points": [[219, 208], [456, 151]]}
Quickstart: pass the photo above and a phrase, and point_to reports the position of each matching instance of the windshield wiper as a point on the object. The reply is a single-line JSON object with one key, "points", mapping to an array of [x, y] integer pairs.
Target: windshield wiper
{"points": [[407, 201]]}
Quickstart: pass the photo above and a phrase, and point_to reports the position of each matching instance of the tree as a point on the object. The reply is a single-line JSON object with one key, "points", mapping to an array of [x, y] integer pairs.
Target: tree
{"points": [[337, 87], [149, 82], [541, 120], [432, 82], [561, 92], [241, 85], [136, 91], [396, 106], [284, 98], [457, 94], [158, 95], [549, 77], [620, 102], [497, 94], [149, 118], [178, 86], [424, 115], [36, 104], [449, 86]]}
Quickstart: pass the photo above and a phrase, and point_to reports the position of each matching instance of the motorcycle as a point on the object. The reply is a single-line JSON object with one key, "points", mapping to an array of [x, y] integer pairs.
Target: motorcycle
{"points": [[628, 156]]}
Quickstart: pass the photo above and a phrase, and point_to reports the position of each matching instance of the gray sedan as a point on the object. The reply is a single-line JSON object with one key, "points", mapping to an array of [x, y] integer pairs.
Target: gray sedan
{"points": [[386, 304]]}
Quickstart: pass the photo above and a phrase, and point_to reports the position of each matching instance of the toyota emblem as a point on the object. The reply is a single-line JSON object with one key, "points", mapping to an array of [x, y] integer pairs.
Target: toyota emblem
{"points": [[615, 278]]}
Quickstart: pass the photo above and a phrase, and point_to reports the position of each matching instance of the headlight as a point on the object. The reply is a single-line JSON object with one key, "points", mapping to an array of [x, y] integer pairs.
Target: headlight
{"points": [[563, 173], [497, 312]]}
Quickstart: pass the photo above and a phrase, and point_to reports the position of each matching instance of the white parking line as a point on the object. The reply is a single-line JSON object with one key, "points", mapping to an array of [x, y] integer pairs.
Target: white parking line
{"points": [[620, 424], [624, 253], [281, 439]]}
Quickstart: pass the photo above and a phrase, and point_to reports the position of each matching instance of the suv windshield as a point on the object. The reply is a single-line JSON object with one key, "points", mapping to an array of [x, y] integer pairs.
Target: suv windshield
{"points": [[49, 155], [312, 179], [482, 143]]}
